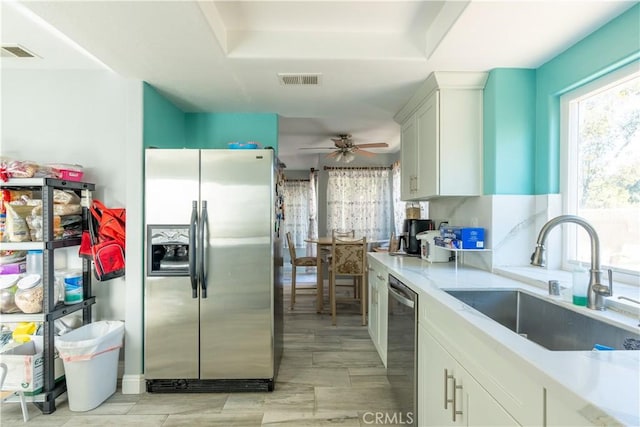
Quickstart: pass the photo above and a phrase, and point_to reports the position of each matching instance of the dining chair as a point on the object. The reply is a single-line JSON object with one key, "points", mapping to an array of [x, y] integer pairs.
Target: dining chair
{"points": [[305, 261], [326, 255], [349, 259], [342, 233], [337, 233], [10, 393]]}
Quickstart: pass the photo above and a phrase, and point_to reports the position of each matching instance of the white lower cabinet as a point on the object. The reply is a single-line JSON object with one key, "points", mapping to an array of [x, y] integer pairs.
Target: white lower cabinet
{"points": [[448, 395], [378, 298]]}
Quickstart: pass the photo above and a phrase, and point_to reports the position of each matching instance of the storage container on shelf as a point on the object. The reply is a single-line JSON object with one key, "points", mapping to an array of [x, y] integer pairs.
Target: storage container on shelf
{"points": [[66, 171], [73, 287], [30, 294], [8, 289], [34, 261]]}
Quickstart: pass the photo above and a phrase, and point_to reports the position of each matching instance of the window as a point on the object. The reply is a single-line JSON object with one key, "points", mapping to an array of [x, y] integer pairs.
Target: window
{"points": [[601, 169], [400, 207], [359, 199], [297, 215]]}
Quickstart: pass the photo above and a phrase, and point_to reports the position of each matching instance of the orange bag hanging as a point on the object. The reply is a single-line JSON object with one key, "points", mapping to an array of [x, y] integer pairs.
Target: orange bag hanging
{"points": [[85, 245], [107, 256], [111, 223]]}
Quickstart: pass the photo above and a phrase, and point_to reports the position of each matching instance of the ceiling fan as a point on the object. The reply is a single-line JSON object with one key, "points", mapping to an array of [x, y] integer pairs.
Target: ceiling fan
{"points": [[346, 150]]}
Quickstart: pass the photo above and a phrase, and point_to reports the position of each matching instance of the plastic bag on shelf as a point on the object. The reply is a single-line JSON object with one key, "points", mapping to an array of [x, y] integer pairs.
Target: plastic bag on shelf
{"points": [[21, 168], [65, 197], [12, 196], [16, 227], [60, 209]]}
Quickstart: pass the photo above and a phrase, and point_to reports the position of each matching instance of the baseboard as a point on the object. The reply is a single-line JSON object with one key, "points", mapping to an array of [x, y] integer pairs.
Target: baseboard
{"points": [[133, 384]]}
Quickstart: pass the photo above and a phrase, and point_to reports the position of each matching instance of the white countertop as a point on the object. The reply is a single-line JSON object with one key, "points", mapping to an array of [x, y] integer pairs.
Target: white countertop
{"points": [[605, 381]]}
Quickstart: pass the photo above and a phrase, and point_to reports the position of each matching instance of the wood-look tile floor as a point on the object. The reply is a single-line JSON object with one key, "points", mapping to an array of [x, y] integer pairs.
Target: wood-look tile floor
{"points": [[329, 375]]}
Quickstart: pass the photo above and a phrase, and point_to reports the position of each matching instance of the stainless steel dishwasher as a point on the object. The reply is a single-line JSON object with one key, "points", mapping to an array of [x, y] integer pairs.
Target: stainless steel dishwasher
{"points": [[402, 340]]}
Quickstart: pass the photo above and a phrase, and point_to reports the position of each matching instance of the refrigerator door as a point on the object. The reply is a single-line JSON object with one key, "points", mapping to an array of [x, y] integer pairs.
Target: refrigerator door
{"points": [[236, 330], [171, 311]]}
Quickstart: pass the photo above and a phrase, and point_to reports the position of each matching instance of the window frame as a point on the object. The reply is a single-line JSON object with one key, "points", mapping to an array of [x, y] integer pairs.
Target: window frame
{"points": [[568, 161]]}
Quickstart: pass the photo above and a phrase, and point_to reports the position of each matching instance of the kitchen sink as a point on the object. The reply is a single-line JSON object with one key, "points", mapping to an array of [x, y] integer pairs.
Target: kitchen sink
{"points": [[550, 325]]}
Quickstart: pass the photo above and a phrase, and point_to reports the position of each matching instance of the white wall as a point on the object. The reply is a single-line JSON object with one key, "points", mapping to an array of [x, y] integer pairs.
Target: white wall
{"points": [[92, 118]]}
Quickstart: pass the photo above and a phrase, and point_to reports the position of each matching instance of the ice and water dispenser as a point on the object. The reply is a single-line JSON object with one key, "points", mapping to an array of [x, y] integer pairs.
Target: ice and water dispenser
{"points": [[168, 250]]}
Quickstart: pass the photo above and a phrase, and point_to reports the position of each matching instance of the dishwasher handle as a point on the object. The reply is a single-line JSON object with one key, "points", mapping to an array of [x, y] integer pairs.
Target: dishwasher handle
{"points": [[393, 291]]}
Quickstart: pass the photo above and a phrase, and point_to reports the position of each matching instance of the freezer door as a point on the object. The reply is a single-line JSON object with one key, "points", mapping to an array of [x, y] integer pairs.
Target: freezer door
{"points": [[171, 313], [236, 335]]}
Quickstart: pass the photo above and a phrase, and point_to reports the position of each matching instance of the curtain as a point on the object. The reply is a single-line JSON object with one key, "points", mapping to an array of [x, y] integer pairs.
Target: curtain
{"points": [[399, 207], [296, 221], [399, 212], [312, 201], [360, 200]]}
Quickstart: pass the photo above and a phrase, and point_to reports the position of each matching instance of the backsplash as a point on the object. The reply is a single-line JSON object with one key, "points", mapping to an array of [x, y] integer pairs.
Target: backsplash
{"points": [[512, 223]]}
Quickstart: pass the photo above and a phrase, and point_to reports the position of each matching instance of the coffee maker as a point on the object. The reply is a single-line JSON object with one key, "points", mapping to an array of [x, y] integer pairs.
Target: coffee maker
{"points": [[410, 229]]}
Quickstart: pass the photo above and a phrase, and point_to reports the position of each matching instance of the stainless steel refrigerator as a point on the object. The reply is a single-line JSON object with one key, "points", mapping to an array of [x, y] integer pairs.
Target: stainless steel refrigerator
{"points": [[213, 281]]}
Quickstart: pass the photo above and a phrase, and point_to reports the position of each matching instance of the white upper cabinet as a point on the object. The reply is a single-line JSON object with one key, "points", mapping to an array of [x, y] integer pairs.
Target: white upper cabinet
{"points": [[441, 137], [408, 158]]}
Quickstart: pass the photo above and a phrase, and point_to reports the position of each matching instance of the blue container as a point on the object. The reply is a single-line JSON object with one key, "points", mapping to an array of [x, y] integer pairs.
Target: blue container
{"points": [[468, 237], [242, 145], [72, 288]]}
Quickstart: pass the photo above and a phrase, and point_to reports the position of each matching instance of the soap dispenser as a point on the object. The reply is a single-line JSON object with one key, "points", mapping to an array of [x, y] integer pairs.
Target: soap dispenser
{"points": [[580, 285]]}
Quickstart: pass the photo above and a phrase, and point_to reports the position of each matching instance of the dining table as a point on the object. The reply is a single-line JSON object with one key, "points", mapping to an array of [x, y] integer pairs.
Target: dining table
{"points": [[323, 242]]}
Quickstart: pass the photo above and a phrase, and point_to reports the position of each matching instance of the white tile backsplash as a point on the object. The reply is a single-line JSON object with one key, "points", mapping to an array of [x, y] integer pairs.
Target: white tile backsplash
{"points": [[511, 224]]}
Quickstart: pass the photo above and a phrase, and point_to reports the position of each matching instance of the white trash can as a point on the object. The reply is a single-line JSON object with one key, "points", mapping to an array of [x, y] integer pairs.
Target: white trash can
{"points": [[90, 355]]}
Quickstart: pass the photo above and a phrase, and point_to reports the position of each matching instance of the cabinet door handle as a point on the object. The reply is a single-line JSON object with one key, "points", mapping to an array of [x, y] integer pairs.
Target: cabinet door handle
{"points": [[447, 377], [455, 412]]}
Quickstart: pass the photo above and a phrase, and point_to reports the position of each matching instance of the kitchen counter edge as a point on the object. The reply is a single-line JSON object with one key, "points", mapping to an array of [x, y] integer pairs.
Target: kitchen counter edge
{"points": [[611, 394]]}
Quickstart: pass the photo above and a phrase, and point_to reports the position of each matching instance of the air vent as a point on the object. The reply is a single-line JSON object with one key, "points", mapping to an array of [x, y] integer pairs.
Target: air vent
{"points": [[305, 79], [16, 51]]}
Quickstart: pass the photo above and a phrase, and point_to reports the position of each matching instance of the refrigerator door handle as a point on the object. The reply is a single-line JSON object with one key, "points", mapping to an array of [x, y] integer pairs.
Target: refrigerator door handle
{"points": [[204, 253], [193, 231]]}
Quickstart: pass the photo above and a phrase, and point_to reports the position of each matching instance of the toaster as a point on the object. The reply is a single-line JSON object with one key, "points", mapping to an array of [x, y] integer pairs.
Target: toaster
{"points": [[428, 249]]}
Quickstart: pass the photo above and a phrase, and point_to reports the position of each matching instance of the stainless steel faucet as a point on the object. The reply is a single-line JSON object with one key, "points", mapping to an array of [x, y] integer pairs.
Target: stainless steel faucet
{"points": [[596, 291]]}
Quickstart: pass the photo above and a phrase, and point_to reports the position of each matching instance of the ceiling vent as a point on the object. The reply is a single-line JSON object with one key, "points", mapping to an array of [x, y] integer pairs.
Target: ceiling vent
{"points": [[16, 51], [299, 79]]}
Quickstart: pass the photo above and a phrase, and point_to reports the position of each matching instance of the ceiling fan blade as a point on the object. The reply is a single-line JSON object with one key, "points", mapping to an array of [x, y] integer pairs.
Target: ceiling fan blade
{"points": [[335, 153], [372, 145], [317, 148], [365, 153]]}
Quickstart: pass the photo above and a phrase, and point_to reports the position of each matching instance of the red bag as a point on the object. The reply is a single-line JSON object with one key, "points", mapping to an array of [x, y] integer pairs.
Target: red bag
{"points": [[85, 245], [104, 241], [108, 258], [111, 223]]}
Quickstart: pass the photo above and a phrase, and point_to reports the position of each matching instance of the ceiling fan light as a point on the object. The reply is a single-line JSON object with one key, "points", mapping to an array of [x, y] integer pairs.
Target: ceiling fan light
{"points": [[349, 157], [338, 156]]}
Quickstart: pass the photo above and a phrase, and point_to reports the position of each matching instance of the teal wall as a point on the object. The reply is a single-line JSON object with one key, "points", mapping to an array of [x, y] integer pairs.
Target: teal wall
{"points": [[166, 126], [164, 123], [522, 107], [208, 130], [509, 131], [612, 46]]}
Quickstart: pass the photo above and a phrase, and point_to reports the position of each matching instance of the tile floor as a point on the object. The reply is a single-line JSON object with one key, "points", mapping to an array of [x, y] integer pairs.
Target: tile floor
{"points": [[329, 375]]}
